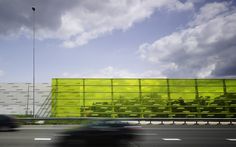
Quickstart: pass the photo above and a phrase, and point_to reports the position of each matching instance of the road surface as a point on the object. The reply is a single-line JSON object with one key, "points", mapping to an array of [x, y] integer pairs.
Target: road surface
{"points": [[152, 136]]}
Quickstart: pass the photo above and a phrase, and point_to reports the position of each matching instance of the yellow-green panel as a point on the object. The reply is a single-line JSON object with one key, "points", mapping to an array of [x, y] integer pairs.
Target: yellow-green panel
{"points": [[154, 95], [67, 81], [70, 88], [94, 96], [161, 89], [97, 88], [125, 82], [183, 95], [143, 97], [182, 82], [68, 95], [210, 95], [230, 82], [69, 103], [126, 95], [97, 102], [210, 82], [182, 89], [231, 89], [125, 89], [161, 82], [210, 89], [98, 82]]}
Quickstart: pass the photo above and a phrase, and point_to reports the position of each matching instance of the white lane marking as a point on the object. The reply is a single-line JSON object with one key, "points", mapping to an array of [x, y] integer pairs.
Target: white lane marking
{"points": [[231, 139], [171, 139], [42, 139]]}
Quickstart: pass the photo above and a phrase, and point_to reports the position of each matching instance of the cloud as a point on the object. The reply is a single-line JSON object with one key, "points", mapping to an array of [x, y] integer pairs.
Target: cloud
{"points": [[2, 73], [206, 48], [112, 72], [77, 22]]}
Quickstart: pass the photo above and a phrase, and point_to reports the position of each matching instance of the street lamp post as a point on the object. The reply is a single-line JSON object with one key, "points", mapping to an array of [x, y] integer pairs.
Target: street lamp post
{"points": [[33, 8]]}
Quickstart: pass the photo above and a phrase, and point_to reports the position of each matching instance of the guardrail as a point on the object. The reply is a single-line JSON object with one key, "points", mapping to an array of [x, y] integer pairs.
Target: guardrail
{"points": [[163, 121]]}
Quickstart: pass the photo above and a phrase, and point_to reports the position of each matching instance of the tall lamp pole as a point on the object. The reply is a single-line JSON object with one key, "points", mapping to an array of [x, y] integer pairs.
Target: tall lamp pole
{"points": [[33, 8]]}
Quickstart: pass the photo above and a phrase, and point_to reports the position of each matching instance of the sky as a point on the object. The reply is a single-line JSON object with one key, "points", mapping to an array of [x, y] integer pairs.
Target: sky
{"points": [[117, 39]]}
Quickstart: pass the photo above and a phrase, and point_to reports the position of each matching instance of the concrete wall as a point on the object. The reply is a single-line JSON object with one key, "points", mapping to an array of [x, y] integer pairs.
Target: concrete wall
{"points": [[17, 98]]}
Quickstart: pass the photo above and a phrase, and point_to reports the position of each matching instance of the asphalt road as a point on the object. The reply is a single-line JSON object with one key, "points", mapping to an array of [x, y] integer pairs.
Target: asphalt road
{"points": [[152, 136]]}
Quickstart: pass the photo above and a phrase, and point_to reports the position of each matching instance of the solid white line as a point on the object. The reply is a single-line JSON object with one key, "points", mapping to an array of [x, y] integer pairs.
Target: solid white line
{"points": [[171, 139], [231, 139], [42, 139]]}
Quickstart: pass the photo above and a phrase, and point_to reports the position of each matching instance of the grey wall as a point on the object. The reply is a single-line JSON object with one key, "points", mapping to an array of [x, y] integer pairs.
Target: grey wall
{"points": [[14, 97]]}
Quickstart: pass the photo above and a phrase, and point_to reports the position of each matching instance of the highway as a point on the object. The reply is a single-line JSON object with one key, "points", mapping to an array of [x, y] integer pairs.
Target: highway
{"points": [[152, 136]]}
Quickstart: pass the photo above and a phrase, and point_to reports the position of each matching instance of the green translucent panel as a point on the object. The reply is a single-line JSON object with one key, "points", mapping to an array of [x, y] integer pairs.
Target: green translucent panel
{"points": [[68, 95], [183, 95], [210, 82], [97, 82], [210, 95], [154, 102], [97, 102], [98, 96], [67, 82], [229, 82], [69, 88], [125, 88], [63, 111], [153, 82], [154, 95], [210, 89], [182, 89], [98, 88], [125, 82], [153, 98], [154, 89], [182, 82], [231, 89], [125, 95], [69, 103]]}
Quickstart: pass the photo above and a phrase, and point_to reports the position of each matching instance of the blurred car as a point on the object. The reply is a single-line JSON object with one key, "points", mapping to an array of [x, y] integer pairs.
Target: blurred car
{"points": [[8, 123], [101, 133]]}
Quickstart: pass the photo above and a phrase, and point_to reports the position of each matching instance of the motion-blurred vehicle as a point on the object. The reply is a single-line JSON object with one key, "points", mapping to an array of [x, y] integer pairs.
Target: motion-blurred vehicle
{"points": [[8, 123], [100, 134]]}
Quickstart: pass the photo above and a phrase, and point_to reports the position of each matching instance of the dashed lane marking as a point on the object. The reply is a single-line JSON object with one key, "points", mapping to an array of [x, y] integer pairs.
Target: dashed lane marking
{"points": [[42, 139], [171, 139], [231, 139]]}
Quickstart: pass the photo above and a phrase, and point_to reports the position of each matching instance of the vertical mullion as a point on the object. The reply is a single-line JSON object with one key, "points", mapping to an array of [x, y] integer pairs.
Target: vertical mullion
{"points": [[56, 94], [84, 97], [112, 100], [224, 87], [140, 97], [226, 102], [168, 95], [197, 98]]}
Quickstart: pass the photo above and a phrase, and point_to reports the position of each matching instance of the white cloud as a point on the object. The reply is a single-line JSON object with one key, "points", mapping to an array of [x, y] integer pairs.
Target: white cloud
{"points": [[2, 73], [111, 72], [82, 24], [200, 49], [210, 11], [77, 22]]}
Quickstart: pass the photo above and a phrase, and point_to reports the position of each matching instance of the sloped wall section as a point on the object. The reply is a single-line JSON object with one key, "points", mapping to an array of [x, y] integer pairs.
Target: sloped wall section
{"points": [[203, 98]]}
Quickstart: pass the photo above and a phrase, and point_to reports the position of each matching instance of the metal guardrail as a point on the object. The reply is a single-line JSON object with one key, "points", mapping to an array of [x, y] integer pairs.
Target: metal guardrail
{"points": [[139, 120]]}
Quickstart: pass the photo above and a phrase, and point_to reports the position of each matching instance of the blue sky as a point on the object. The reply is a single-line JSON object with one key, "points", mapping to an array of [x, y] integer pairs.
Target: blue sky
{"points": [[110, 38]]}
